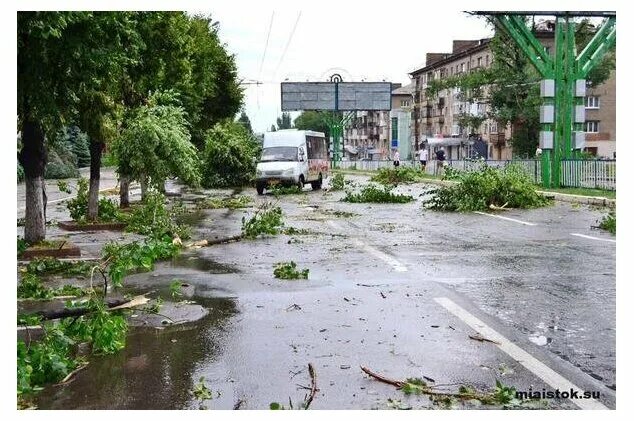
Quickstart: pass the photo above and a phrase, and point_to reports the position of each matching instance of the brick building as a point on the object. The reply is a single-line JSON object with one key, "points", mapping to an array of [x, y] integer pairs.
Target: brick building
{"points": [[438, 117]]}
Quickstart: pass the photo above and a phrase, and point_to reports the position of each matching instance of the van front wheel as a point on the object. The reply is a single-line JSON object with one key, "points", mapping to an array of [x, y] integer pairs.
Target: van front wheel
{"points": [[260, 188], [300, 183], [316, 185]]}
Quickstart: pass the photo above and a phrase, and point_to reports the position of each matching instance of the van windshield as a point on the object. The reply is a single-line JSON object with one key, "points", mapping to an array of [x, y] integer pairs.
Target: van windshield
{"points": [[279, 153]]}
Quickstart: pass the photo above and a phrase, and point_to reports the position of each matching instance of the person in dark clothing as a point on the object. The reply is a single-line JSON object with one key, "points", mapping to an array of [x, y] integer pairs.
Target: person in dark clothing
{"points": [[440, 158]]}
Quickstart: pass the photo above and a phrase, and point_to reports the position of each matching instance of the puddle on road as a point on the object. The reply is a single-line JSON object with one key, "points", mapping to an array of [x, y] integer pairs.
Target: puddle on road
{"points": [[202, 264], [155, 369]]}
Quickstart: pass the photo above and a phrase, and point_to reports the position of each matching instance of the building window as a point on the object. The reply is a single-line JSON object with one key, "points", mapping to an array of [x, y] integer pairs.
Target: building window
{"points": [[451, 70], [404, 103], [592, 102], [592, 126], [494, 127], [461, 67], [479, 61], [486, 60]]}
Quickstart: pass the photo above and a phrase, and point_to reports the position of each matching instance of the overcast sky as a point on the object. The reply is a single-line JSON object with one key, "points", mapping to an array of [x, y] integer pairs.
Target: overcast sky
{"points": [[363, 41]]}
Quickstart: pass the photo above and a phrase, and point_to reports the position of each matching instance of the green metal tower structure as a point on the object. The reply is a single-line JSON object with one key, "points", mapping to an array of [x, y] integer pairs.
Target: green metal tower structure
{"points": [[337, 121], [562, 115]]}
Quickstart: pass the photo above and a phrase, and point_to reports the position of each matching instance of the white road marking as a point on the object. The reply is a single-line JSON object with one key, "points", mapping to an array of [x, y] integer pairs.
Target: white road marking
{"points": [[541, 370], [593, 238], [398, 266], [505, 218]]}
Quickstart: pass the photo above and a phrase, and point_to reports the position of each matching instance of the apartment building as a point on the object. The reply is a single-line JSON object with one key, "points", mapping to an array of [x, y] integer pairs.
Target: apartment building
{"points": [[600, 125], [400, 121], [438, 117], [366, 136]]}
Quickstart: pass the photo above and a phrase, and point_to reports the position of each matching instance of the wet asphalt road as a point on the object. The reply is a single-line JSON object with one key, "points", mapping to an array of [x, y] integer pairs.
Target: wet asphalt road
{"points": [[373, 298]]}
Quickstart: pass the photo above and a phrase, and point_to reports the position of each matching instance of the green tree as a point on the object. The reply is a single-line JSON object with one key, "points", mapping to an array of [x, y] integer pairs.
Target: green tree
{"points": [[46, 98], [214, 93], [183, 54], [230, 156], [108, 42], [244, 120], [155, 144], [78, 142], [284, 122], [584, 32], [312, 120]]}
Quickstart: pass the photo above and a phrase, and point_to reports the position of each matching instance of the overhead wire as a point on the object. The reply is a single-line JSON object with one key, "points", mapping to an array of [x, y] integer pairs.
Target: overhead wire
{"points": [[266, 45], [288, 43]]}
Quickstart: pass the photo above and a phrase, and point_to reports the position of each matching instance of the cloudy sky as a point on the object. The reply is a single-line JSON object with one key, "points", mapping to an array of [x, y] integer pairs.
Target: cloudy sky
{"points": [[360, 40]]}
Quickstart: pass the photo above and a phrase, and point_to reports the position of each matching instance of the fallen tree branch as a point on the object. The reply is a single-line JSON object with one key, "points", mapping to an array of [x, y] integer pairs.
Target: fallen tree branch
{"points": [[71, 374], [426, 390], [478, 337], [503, 207], [112, 304], [395, 383], [224, 240], [313, 386]]}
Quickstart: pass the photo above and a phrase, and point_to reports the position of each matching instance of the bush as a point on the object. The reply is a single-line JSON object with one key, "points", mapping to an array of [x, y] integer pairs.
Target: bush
{"points": [[59, 170], [229, 157], [371, 193], [608, 223], [478, 190], [394, 176], [62, 162], [154, 219], [78, 206], [267, 220], [338, 181], [288, 270], [227, 202], [125, 258], [280, 190]]}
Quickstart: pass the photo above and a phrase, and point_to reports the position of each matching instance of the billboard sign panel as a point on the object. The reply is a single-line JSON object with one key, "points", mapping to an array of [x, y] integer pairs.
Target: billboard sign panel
{"points": [[331, 96]]}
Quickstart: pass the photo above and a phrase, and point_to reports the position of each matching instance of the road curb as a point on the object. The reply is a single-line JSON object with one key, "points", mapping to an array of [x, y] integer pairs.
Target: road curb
{"points": [[561, 197], [575, 198]]}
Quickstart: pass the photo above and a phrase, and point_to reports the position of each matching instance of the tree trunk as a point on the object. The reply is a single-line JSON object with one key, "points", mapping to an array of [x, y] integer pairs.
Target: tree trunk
{"points": [[124, 191], [33, 160], [95, 174], [143, 182]]}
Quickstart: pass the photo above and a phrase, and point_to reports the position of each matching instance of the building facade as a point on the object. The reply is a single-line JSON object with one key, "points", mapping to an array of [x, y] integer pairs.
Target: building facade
{"points": [[372, 134], [439, 117], [400, 122]]}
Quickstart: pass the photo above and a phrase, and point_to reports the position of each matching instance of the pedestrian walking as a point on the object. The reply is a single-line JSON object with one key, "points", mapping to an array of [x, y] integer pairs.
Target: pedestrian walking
{"points": [[440, 160], [397, 159], [422, 156]]}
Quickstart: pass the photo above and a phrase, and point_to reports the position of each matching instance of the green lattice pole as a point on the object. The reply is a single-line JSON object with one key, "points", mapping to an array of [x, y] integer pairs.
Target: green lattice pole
{"points": [[565, 69]]}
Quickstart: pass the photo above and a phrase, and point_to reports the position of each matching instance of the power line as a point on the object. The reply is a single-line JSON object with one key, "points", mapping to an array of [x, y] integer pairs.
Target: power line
{"points": [[266, 45], [290, 38]]}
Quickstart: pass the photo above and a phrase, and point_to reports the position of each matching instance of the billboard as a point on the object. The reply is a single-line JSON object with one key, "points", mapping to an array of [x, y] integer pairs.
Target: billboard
{"points": [[331, 96]]}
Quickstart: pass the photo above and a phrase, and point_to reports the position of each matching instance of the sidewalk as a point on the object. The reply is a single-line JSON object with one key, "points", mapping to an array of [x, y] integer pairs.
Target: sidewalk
{"points": [[108, 181]]}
